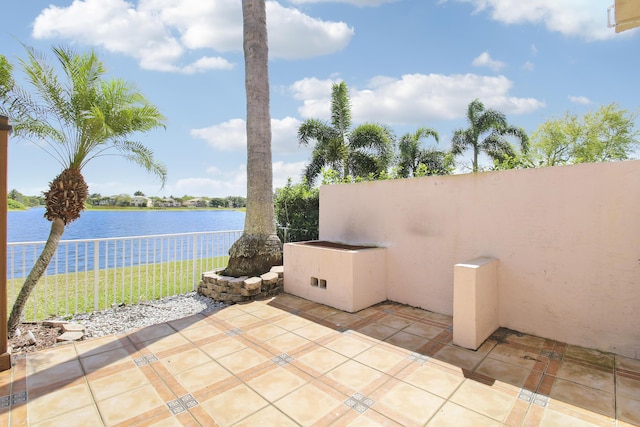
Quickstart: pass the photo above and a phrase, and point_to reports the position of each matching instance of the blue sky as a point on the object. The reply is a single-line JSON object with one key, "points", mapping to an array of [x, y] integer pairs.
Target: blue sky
{"points": [[408, 63]]}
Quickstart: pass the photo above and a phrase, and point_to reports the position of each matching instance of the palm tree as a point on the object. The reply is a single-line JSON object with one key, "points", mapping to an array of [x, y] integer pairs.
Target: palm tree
{"points": [[75, 118], [365, 150], [412, 155], [259, 248], [493, 124]]}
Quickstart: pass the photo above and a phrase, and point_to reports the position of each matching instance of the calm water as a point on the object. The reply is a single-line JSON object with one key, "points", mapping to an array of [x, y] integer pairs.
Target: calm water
{"points": [[30, 225]]}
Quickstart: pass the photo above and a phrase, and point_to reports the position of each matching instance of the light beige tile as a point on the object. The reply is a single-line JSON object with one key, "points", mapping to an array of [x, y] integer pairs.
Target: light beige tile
{"points": [[380, 358], [460, 357], [184, 360], [435, 379], [130, 404], [276, 383], [244, 321], [202, 376], [99, 345], [223, 347], [407, 341], [452, 415], [168, 342], [292, 322], [314, 332], [233, 405], [265, 332], [287, 343], [118, 356], [242, 360], [57, 402], [200, 332], [269, 416], [153, 332], [412, 402], [307, 404], [66, 372], [584, 397], [486, 400], [44, 359], [322, 359], [83, 417], [354, 375], [349, 345], [117, 383], [503, 371], [628, 410]]}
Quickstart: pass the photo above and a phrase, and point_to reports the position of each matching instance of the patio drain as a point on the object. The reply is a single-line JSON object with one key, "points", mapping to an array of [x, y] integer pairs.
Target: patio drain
{"points": [[6, 401], [182, 404], [282, 360], [145, 360], [535, 398], [234, 332], [359, 402]]}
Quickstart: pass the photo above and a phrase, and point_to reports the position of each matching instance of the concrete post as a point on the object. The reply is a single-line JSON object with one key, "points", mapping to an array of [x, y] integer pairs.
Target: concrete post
{"points": [[5, 357]]}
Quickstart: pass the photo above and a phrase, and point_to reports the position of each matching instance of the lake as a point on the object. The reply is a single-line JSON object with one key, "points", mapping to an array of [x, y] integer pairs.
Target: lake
{"points": [[31, 226]]}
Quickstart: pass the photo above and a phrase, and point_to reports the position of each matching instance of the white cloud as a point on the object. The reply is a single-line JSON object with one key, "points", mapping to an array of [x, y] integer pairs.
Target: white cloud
{"points": [[361, 3], [579, 100], [528, 66], [162, 35], [232, 136], [283, 171], [581, 18], [415, 99], [485, 60]]}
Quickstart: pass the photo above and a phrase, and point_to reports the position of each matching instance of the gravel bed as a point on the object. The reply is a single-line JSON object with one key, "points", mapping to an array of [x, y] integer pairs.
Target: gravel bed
{"points": [[121, 318]]}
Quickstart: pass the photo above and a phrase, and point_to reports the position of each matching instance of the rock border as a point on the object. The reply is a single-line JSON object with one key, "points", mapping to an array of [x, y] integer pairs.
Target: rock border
{"points": [[241, 289]]}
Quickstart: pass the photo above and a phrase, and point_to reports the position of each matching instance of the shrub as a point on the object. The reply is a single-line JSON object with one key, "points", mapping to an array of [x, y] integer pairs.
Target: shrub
{"points": [[297, 210]]}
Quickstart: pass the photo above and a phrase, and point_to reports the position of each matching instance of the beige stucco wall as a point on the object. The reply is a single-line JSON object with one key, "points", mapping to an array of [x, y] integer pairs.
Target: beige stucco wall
{"points": [[568, 241]]}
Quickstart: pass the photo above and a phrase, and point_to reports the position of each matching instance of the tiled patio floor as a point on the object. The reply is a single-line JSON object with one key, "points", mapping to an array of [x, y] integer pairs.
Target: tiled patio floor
{"points": [[289, 361]]}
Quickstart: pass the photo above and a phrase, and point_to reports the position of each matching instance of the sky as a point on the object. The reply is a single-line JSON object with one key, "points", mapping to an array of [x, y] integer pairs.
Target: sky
{"points": [[407, 63]]}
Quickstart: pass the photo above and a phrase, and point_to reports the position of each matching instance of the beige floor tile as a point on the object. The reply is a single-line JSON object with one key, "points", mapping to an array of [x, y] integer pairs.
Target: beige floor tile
{"points": [[413, 403], [586, 375], [460, 357], [99, 345], [628, 387], [369, 419], [594, 357], [423, 330], [581, 396], [628, 410], [153, 332], [104, 360], [117, 383], [229, 312], [233, 405], [242, 360], [292, 322], [200, 332], [486, 400], [452, 415], [66, 372], [628, 364], [267, 417], [307, 404], [349, 345], [45, 359], [265, 312], [503, 371], [380, 358], [514, 356], [223, 347], [354, 375], [57, 402], [276, 383], [168, 342], [395, 322], [170, 421], [435, 379], [323, 311], [407, 341], [130, 404], [314, 332], [184, 360], [377, 331], [322, 359], [343, 319], [83, 417], [189, 322], [202, 376], [266, 332], [552, 418], [287, 343], [244, 321]]}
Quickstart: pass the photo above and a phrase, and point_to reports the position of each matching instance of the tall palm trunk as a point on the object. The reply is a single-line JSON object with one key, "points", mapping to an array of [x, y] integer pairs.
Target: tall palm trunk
{"points": [[57, 228], [259, 247]]}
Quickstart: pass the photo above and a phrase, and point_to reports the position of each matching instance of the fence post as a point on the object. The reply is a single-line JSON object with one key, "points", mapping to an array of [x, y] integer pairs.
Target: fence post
{"points": [[96, 274], [5, 357]]}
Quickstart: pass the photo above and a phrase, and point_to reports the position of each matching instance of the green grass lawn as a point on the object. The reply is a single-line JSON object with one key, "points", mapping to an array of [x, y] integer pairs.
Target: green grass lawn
{"points": [[66, 294]]}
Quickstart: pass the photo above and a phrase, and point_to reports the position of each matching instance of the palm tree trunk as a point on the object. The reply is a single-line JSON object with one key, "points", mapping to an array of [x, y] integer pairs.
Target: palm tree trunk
{"points": [[57, 228], [475, 158], [259, 247]]}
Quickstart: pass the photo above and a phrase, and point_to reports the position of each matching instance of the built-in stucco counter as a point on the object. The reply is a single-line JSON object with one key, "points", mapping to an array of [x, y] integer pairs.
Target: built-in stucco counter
{"points": [[343, 276]]}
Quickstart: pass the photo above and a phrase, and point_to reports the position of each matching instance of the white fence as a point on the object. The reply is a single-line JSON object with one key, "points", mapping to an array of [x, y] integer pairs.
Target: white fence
{"points": [[93, 274]]}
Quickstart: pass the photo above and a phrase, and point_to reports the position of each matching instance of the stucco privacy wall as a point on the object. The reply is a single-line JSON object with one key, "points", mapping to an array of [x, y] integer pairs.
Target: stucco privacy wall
{"points": [[567, 239]]}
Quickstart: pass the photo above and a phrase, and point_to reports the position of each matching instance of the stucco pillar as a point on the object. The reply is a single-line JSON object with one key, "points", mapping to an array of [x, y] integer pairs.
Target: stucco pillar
{"points": [[5, 357]]}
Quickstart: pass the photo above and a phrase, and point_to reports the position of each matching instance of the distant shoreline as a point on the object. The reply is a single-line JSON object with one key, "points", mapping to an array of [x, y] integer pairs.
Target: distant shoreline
{"points": [[140, 209]]}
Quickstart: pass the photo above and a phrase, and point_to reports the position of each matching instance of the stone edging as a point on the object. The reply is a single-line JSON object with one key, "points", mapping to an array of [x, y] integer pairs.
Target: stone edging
{"points": [[240, 289]]}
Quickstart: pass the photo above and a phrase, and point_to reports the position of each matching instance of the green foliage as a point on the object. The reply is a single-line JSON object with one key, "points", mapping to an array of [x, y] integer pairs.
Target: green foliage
{"points": [[22, 200], [6, 79], [14, 204], [297, 209], [607, 134]]}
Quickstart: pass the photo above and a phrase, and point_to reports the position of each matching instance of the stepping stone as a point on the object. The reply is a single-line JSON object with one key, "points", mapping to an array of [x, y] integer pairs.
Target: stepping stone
{"points": [[54, 323], [70, 336], [72, 327]]}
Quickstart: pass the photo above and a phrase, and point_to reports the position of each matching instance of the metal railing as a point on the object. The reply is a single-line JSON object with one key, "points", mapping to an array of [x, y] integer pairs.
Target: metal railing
{"points": [[94, 274]]}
